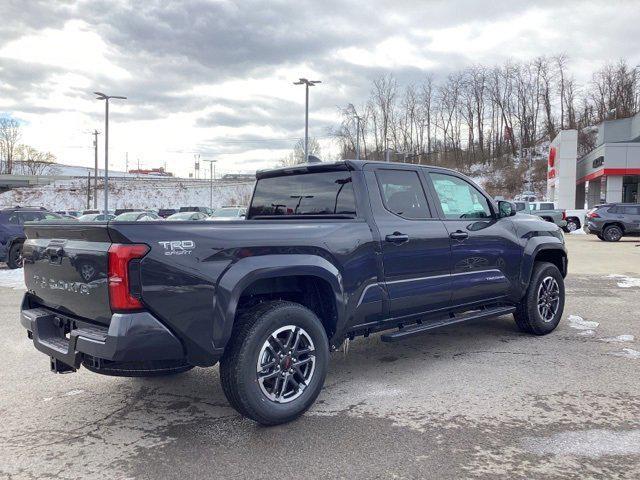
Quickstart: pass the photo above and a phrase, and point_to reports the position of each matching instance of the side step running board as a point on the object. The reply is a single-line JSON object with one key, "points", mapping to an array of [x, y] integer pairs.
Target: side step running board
{"points": [[425, 327]]}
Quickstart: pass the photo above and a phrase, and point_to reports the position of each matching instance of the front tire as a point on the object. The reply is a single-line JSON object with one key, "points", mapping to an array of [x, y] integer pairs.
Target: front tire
{"points": [[541, 309], [612, 233], [275, 363]]}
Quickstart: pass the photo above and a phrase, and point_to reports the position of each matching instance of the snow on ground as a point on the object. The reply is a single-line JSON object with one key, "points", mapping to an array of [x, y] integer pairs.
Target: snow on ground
{"points": [[12, 278], [628, 353], [578, 232], [131, 193], [624, 281], [618, 339], [579, 323]]}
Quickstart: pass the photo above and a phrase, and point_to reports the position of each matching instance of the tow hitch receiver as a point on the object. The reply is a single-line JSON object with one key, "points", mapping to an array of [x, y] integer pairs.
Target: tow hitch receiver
{"points": [[60, 367]]}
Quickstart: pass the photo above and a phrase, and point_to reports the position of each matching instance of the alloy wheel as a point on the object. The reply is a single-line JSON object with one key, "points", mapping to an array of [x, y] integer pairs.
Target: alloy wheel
{"points": [[286, 364], [548, 298]]}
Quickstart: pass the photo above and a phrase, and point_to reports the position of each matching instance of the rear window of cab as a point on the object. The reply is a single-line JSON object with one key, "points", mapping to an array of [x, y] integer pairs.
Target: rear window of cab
{"points": [[306, 194]]}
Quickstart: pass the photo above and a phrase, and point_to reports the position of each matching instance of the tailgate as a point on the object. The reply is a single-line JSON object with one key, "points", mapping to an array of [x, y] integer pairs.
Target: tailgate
{"points": [[65, 268]]}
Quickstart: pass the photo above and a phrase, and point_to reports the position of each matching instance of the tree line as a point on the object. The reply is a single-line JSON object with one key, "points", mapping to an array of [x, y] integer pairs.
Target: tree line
{"points": [[483, 113], [17, 158]]}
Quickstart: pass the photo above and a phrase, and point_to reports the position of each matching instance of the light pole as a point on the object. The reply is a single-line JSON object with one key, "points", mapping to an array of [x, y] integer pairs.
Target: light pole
{"points": [[307, 84], [95, 169], [212, 175], [106, 98], [357, 137]]}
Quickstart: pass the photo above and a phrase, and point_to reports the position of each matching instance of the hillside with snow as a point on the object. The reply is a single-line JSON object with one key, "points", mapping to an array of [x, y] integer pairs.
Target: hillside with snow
{"points": [[130, 193]]}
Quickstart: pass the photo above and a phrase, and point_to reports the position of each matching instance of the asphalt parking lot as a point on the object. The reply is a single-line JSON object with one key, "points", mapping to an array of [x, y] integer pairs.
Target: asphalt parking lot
{"points": [[479, 400]]}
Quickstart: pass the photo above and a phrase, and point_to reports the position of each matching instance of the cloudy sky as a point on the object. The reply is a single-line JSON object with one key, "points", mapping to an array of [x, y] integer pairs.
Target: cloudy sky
{"points": [[215, 77]]}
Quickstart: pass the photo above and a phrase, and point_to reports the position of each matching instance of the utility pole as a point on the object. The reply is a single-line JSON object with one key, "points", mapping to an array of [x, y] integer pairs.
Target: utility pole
{"points": [[106, 98], [212, 166], [307, 84], [88, 189], [95, 170]]}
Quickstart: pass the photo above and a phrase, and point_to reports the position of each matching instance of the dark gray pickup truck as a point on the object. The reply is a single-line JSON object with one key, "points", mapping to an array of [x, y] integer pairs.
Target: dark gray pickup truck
{"points": [[329, 251]]}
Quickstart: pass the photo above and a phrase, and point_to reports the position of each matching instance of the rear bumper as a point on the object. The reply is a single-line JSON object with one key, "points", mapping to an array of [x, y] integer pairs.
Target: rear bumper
{"points": [[591, 227], [134, 337]]}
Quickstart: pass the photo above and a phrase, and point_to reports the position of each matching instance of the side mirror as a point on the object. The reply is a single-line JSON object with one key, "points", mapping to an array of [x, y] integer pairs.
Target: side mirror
{"points": [[506, 209]]}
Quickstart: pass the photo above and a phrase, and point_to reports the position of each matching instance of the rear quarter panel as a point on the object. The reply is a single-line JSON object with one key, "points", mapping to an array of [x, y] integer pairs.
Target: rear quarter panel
{"points": [[182, 284]]}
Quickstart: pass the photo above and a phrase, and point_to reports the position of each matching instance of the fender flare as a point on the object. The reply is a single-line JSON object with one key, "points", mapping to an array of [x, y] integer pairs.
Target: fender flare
{"points": [[247, 270], [534, 246]]}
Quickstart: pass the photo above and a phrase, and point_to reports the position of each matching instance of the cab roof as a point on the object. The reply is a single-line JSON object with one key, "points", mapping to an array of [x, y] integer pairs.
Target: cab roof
{"points": [[347, 164]]}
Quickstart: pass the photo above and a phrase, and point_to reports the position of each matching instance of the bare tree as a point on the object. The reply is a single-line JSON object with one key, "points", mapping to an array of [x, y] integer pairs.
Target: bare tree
{"points": [[30, 161], [296, 156], [9, 137]]}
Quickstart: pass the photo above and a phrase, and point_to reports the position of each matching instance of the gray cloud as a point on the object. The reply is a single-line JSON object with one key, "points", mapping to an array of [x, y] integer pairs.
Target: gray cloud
{"points": [[171, 47]]}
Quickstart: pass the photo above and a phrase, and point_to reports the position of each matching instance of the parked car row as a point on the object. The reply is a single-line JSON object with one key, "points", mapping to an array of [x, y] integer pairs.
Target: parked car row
{"points": [[12, 220], [193, 213]]}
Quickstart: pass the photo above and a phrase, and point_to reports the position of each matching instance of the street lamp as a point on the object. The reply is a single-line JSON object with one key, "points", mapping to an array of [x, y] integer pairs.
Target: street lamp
{"points": [[106, 98], [307, 84], [212, 176]]}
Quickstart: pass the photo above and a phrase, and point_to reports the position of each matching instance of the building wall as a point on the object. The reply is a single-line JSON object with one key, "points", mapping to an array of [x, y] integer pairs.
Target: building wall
{"points": [[561, 176]]}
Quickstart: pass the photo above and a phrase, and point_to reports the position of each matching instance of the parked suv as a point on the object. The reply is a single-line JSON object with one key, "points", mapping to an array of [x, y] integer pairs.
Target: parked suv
{"points": [[12, 231], [611, 222]]}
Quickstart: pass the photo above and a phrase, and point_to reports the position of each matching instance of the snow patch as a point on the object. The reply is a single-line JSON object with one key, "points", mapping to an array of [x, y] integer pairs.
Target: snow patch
{"points": [[625, 281], [12, 279], [618, 339], [579, 323], [579, 231], [628, 353], [587, 333], [71, 393]]}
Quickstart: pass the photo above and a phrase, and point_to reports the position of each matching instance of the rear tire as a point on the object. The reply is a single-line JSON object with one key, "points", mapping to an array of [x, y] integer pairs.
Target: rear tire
{"points": [[541, 309], [612, 233], [14, 260], [275, 363], [572, 225]]}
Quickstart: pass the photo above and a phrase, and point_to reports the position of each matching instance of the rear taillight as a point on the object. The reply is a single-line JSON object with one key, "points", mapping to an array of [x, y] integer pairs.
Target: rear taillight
{"points": [[593, 215], [564, 215], [120, 296]]}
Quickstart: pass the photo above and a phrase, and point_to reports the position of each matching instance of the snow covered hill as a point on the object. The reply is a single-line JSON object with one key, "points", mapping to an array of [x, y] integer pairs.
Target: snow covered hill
{"points": [[130, 193]]}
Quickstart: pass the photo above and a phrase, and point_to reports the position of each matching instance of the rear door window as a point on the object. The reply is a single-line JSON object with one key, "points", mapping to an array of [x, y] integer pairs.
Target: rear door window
{"points": [[402, 193], [546, 206], [30, 216], [631, 210], [318, 193]]}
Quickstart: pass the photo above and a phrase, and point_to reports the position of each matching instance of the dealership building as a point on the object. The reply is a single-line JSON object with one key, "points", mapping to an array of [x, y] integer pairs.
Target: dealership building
{"points": [[609, 173]]}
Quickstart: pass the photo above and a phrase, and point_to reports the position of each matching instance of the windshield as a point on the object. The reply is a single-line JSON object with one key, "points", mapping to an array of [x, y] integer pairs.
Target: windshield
{"points": [[321, 193]]}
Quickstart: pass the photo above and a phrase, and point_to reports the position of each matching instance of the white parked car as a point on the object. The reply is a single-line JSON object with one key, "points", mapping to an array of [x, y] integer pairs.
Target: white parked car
{"points": [[229, 213]]}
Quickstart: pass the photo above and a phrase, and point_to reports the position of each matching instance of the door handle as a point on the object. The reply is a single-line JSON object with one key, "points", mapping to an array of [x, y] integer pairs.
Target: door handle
{"points": [[397, 238], [459, 235]]}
